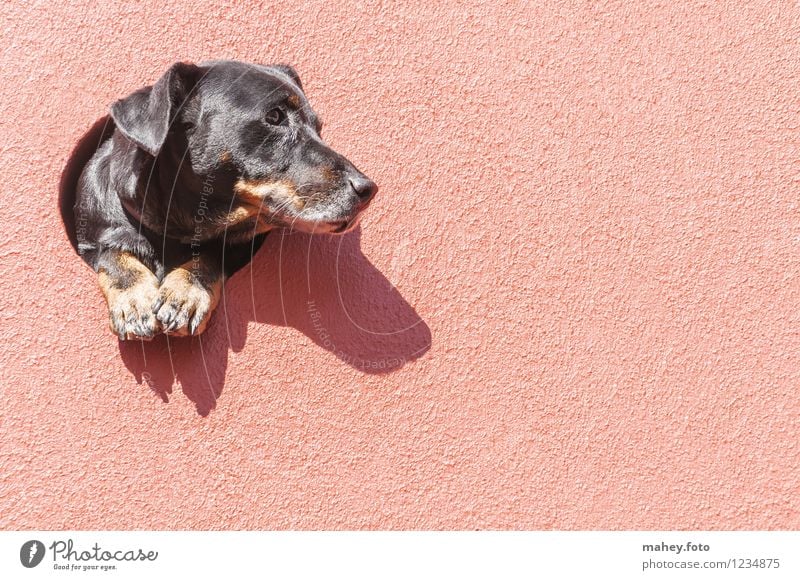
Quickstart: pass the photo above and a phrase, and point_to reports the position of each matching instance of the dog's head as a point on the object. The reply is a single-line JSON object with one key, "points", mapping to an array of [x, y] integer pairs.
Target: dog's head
{"points": [[246, 134]]}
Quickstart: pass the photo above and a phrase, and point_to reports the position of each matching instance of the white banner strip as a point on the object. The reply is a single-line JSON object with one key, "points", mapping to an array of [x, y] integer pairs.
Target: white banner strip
{"points": [[412, 555]]}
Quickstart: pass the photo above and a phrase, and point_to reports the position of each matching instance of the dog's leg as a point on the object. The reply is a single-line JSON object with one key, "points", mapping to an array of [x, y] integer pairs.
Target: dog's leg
{"points": [[130, 289], [189, 294]]}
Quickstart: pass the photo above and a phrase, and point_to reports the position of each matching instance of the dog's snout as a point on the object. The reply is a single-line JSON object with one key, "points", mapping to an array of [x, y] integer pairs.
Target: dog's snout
{"points": [[364, 187]]}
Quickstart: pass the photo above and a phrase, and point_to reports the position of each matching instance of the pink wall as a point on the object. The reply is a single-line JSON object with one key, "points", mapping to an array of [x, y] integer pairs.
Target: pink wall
{"points": [[581, 277]]}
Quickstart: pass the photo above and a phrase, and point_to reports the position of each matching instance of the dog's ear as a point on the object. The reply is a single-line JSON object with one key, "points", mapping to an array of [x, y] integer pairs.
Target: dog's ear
{"points": [[290, 72], [145, 116]]}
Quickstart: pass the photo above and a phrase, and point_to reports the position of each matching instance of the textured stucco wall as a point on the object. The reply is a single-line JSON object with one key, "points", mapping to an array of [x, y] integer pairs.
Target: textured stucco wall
{"points": [[580, 277]]}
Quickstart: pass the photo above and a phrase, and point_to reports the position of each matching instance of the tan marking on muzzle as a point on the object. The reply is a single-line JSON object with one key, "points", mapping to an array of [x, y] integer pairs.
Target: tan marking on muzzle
{"points": [[328, 174], [255, 192]]}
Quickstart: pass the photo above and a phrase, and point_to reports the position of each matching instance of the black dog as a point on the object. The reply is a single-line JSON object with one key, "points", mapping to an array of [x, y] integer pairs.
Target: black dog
{"points": [[198, 168]]}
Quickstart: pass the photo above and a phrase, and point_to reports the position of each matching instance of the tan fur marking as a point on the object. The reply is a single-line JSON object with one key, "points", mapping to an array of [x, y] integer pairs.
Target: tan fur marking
{"points": [[192, 272], [133, 302], [328, 174], [131, 263], [255, 192], [193, 289], [108, 285], [138, 292], [294, 101], [240, 214]]}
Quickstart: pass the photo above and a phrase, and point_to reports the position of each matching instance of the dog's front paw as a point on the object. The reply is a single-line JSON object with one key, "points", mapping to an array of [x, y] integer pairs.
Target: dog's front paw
{"points": [[130, 311], [185, 303]]}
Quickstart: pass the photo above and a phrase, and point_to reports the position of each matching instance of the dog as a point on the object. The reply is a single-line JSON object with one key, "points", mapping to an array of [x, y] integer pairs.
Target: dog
{"points": [[195, 171]]}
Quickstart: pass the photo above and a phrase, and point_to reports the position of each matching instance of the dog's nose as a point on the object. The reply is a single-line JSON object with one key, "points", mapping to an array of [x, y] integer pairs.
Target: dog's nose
{"points": [[364, 187]]}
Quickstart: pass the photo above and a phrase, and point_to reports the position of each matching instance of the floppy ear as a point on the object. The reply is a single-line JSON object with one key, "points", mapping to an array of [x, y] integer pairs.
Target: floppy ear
{"points": [[290, 72], [145, 116]]}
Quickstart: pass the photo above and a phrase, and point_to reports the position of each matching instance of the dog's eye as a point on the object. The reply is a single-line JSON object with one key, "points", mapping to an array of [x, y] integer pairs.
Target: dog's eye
{"points": [[275, 116]]}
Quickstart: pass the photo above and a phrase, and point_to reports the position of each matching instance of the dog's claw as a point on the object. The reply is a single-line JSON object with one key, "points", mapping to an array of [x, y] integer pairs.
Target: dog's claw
{"points": [[130, 313], [145, 327], [165, 317], [184, 304]]}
